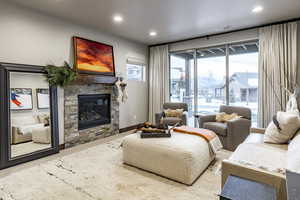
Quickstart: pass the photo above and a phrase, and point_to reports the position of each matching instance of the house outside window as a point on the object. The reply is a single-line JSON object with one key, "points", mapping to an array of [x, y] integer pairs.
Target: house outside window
{"points": [[135, 70]]}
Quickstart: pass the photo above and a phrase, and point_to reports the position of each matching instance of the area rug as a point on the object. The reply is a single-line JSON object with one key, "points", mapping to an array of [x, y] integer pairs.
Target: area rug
{"points": [[96, 172]]}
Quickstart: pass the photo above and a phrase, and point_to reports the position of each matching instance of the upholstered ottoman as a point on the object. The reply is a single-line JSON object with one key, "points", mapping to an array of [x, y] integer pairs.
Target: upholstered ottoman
{"points": [[181, 158], [42, 135]]}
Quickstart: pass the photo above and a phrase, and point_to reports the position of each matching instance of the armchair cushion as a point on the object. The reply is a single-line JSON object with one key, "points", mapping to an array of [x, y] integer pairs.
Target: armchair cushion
{"points": [[173, 113], [241, 111], [206, 118], [218, 127], [171, 120], [224, 117]]}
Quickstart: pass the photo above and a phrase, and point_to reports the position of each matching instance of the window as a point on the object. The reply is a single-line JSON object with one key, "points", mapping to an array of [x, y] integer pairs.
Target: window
{"points": [[225, 75], [243, 77], [211, 65], [182, 81], [136, 72]]}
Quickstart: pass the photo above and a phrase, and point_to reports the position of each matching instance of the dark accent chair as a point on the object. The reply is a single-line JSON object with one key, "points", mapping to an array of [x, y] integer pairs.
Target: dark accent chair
{"points": [[171, 121], [231, 133]]}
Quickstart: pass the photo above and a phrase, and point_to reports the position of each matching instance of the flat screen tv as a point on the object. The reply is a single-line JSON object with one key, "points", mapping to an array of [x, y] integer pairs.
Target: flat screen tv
{"points": [[93, 57]]}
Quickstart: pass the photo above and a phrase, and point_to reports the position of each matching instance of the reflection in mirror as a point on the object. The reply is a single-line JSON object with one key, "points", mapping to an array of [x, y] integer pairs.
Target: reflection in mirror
{"points": [[29, 113]]}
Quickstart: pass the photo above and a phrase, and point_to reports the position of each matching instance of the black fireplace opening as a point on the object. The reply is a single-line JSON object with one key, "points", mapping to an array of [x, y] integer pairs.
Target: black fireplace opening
{"points": [[94, 110]]}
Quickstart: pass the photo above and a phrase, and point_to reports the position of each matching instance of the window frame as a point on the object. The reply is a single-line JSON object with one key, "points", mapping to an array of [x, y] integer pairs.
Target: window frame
{"points": [[142, 67], [227, 63]]}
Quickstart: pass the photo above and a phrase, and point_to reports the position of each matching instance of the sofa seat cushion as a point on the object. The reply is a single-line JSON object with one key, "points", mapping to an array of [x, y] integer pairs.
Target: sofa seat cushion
{"points": [[262, 156], [171, 120], [218, 127], [27, 129]]}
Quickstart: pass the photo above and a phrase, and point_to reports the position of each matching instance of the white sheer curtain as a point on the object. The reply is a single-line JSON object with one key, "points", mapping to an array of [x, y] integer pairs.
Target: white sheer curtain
{"points": [[277, 68], [158, 79]]}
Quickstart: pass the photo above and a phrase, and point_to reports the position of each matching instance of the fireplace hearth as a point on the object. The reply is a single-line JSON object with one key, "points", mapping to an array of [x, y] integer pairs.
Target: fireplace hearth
{"points": [[93, 110]]}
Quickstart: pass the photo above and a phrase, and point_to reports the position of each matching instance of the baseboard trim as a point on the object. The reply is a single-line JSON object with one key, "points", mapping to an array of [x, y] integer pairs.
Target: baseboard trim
{"points": [[62, 146], [129, 128]]}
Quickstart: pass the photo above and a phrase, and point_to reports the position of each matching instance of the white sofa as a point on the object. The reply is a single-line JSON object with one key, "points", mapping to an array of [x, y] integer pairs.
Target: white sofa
{"points": [[262, 162], [181, 158], [22, 127]]}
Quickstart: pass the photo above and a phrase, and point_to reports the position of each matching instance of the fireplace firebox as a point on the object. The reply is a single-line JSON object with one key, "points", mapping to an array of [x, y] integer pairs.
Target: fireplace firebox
{"points": [[94, 110]]}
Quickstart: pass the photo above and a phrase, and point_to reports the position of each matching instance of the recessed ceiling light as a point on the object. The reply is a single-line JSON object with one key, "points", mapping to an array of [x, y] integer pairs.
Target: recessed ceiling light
{"points": [[257, 9], [153, 33], [118, 18]]}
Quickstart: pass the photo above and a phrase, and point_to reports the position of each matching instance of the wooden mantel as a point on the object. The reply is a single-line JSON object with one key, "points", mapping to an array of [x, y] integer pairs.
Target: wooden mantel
{"points": [[95, 79]]}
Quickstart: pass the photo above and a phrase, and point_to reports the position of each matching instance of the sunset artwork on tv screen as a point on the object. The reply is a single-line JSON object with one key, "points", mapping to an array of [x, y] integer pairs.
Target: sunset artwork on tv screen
{"points": [[93, 57]]}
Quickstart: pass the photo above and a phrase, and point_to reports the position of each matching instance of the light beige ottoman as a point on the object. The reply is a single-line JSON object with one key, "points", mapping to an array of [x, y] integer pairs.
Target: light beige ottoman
{"points": [[42, 135], [181, 158]]}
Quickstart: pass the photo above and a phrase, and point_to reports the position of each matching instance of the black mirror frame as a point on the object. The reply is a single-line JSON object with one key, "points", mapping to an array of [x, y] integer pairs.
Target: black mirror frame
{"points": [[5, 158]]}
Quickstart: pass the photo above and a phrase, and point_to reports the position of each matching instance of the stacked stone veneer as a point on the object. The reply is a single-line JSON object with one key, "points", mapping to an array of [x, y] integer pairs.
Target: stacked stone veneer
{"points": [[73, 136]]}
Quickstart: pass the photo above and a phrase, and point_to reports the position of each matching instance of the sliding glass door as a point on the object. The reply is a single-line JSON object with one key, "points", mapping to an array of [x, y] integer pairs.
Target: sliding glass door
{"points": [[243, 77], [209, 77], [182, 80]]}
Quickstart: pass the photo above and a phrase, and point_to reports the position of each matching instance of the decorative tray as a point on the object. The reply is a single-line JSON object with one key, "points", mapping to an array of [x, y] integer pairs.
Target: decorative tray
{"points": [[155, 135]]}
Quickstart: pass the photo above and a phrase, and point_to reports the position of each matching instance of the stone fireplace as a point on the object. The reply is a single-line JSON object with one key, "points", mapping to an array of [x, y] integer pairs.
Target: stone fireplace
{"points": [[91, 112]]}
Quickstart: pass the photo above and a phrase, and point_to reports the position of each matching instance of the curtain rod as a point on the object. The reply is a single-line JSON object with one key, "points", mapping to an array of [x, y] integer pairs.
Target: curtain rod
{"points": [[222, 33]]}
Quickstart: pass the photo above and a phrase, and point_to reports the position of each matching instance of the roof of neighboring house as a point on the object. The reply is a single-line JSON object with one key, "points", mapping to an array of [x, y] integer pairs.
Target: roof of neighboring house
{"points": [[244, 79]]}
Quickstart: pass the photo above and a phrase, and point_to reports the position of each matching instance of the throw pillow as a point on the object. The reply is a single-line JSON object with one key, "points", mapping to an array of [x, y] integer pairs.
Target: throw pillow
{"points": [[223, 117], [173, 113], [288, 126], [45, 119]]}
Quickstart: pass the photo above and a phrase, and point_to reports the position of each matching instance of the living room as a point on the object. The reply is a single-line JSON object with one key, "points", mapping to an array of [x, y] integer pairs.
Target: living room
{"points": [[213, 84]]}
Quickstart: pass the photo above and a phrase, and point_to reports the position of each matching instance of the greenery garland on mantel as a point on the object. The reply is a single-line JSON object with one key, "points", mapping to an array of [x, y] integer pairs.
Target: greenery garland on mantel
{"points": [[60, 75]]}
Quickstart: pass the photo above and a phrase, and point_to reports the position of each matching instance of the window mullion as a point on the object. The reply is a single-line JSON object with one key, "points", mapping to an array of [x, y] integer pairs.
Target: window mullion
{"points": [[227, 75]]}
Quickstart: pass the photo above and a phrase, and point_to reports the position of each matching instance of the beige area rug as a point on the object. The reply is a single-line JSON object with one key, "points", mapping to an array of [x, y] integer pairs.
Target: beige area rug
{"points": [[28, 147], [95, 171]]}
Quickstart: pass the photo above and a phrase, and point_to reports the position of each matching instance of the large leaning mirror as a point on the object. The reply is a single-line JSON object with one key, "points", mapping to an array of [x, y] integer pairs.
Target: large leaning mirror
{"points": [[29, 113], [29, 129]]}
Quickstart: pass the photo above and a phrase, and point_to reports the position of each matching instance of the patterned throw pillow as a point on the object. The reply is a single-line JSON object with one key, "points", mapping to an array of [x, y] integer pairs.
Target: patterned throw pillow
{"points": [[173, 113], [283, 129], [223, 117], [45, 119]]}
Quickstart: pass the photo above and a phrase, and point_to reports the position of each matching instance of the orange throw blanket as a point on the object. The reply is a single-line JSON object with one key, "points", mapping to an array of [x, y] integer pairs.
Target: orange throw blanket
{"points": [[210, 136]]}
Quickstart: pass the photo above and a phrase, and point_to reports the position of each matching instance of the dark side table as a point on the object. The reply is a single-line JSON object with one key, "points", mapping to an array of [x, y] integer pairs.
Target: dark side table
{"points": [[237, 188]]}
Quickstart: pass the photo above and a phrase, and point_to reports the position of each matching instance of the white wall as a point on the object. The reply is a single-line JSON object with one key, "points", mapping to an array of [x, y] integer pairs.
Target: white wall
{"points": [[29, 37], [234, 37]]}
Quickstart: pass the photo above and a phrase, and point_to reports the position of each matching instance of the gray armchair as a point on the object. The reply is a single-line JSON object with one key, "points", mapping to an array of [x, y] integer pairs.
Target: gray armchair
{"points": [[170, 121], [231, 133]]}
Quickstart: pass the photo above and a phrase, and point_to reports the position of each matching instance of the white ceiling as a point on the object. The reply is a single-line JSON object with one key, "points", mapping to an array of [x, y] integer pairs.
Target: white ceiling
{"points": [[172, 19]]}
